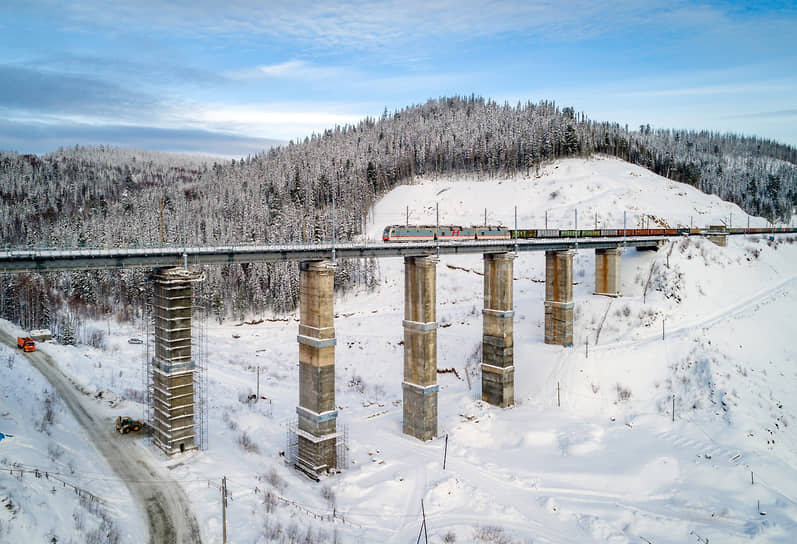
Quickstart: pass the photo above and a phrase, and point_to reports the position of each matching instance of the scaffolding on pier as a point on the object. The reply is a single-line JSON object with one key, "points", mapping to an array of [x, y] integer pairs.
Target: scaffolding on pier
{"points": [[199, 347], [175, 367]]}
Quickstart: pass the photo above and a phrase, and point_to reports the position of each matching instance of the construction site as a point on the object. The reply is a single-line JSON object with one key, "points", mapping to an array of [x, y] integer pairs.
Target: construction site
{"points": [[175, 366]]}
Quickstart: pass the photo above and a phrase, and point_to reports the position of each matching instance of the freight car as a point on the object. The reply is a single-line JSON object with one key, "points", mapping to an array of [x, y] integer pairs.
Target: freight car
{"points": [[423, 233]]}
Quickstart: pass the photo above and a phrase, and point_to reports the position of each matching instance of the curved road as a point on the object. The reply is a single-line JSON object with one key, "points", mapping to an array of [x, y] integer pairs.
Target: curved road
{"points": [[165, 504]]}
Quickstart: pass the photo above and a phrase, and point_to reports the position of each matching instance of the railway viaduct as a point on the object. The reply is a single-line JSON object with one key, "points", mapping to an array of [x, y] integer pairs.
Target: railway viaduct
{"points": [[173, 366]]}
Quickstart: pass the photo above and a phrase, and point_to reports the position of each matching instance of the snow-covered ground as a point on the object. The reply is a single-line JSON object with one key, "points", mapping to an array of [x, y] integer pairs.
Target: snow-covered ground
{"points": [[74, 493], [607, 465]]}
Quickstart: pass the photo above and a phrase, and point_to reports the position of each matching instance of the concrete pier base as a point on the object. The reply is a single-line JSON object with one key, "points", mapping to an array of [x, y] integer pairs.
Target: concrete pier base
{"points": [[607, 272], [172, 366], [498, 368], [317, 432], [420, 348], [719, 239], [559, 297]]}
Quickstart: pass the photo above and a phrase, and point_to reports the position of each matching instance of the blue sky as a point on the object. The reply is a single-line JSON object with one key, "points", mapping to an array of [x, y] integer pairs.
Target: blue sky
{"points": [[229, 77]]}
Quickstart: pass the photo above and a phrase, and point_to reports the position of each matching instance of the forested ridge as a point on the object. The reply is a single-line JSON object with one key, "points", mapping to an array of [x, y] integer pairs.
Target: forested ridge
{"points": [[101, 196]]}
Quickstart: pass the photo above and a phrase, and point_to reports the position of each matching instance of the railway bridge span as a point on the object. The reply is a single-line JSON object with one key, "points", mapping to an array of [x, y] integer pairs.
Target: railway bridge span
{"points": [[173, 365]]}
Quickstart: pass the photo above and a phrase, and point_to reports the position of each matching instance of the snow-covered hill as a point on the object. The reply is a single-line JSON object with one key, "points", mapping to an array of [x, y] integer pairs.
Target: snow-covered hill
{"points": [[608, 464]]}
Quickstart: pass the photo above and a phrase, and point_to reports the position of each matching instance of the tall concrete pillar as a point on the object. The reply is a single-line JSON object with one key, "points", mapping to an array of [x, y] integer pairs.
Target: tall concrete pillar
{"points": [[173, 366], [607, 272], [559, 297], [317, 415], [498, 369], [420, 348]]}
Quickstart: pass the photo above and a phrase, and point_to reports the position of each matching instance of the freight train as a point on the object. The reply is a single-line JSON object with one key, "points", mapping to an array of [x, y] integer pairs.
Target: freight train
{"points": [[424, 233]]}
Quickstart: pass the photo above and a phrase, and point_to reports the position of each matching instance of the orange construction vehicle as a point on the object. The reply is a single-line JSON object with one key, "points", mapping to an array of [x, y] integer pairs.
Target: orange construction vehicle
{"points": [[26, 343]]}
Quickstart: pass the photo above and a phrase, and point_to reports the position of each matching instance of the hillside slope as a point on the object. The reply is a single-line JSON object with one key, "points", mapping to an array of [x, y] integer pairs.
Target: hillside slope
{"points": [[590, 451]]}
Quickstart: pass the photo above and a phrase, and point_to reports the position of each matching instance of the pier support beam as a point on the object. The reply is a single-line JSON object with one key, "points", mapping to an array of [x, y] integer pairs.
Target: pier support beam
{"points": [[172, 366], [317, 432], [498, 370], [420, 348], [559, 297], [607, 272]]}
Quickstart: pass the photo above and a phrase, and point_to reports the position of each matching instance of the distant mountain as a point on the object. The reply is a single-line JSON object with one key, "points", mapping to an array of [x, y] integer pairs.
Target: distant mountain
{"points": [[107, 196]]}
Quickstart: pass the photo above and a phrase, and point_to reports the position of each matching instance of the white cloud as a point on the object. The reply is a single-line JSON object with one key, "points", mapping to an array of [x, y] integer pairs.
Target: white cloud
{"points": [[281, 121], [711, 90], [361, 24], [292, 69]]}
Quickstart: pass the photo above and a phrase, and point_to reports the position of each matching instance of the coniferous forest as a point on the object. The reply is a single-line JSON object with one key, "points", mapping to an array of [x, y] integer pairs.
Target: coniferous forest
{"points": [[103, 197]]}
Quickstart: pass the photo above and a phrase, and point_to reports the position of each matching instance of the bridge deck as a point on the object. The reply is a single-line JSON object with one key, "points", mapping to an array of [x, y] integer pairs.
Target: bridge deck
{"points": [[49, 260]]}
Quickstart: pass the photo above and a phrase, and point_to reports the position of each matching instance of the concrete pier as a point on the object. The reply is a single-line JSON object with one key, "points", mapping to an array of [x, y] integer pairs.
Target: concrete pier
{"points": [[498, 369], [317, 432], [607, 272], [559, 297], [172, 366], [420, 348]]}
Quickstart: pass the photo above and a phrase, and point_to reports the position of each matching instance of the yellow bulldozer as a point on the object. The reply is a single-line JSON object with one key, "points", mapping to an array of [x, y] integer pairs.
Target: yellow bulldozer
{"points": [[126, 424]]}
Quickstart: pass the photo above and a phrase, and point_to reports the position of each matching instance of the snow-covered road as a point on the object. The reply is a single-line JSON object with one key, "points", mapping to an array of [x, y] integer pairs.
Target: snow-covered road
{"points": [[167, 509]]}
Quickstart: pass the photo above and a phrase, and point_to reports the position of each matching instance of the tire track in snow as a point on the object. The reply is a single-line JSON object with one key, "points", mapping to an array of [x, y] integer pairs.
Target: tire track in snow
{"points": [[706, 322]]}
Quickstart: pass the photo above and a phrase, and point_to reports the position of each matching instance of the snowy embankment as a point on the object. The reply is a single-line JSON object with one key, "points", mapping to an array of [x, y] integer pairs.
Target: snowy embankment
{"points": [[590, 451]]}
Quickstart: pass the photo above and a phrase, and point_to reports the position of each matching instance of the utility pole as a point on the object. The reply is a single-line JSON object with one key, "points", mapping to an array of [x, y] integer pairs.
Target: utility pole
{"points": [[223, 489], [516, 248], [185, 239], [161, 222], [425, 535], [546, 219], [257, 398], [625, 243], [445, 453], [673, 408], [575, 211], [485, 217], [224, 508], [408, 217], [437, 222], [333, 227]]}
